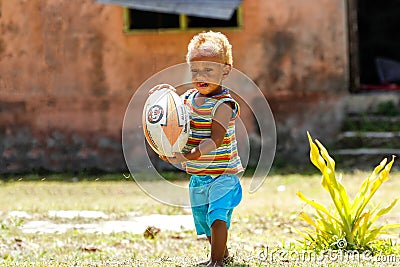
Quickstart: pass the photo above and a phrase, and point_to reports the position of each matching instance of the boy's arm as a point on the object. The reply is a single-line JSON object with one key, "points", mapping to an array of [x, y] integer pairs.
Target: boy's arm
{"points": [[220, 123], [222, 116], [180, 89], [161, 86]]}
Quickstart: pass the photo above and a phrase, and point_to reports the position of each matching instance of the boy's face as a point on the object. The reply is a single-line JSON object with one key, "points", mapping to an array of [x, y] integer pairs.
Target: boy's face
{"points": [[208, 73]]}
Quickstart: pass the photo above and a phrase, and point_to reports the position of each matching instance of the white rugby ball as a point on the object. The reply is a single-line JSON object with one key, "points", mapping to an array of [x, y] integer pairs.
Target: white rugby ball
{"points": [[166, 122]]}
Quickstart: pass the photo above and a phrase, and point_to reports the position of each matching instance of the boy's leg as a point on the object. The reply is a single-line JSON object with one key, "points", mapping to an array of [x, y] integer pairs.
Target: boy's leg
{"points": [[219, 237], [226, 255], [225, 194]]}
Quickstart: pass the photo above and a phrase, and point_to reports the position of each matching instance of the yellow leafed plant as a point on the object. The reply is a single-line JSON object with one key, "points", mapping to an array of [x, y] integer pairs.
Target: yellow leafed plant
{"points": [[346, 223]]}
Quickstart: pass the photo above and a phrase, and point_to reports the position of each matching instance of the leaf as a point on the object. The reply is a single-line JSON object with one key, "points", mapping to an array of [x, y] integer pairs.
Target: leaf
{"points": [[307, 218], [385, 210], [357, 223], [316, 205], [372, 235], [315, 157], [341, 201], [330, 228], [365, 186], [383, 176], [335, 188], [391, 226], [325, 155], [306, 236]]}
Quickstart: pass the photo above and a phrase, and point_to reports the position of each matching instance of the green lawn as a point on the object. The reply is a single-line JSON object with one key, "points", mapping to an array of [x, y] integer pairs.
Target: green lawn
{"points": [[262, 224]]}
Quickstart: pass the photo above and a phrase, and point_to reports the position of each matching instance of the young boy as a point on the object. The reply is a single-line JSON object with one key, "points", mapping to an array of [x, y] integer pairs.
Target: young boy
{"points": [[211, 152]]}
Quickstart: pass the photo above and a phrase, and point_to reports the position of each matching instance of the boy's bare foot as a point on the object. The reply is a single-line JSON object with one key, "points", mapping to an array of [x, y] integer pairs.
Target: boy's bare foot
{"points": [[227, 260], [216, 263], [203, 263]]}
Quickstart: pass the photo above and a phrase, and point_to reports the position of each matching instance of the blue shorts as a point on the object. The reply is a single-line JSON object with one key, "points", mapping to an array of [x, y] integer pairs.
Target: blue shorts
{"points": [[213, 199]]}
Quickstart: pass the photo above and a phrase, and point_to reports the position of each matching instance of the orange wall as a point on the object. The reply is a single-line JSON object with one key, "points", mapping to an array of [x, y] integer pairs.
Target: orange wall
{"points": [[67, 65]]}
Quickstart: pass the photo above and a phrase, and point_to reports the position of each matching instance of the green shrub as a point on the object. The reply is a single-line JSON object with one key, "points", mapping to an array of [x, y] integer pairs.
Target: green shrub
{"points": [[346, 221]]}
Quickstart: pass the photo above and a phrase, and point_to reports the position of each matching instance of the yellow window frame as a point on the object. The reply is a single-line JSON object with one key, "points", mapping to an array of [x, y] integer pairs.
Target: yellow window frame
{"points": [[183, 24]]}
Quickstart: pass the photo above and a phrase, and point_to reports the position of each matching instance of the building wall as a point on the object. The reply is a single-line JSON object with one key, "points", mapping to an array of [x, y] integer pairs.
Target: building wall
{"points": [[67, 73]]}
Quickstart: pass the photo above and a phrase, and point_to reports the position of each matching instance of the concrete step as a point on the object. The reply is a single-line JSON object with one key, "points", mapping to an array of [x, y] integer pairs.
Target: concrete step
{"points": [[371, 123], [372, 117], [367, 151], [354, 139], [364, 158], [369, 134], [367, 139]]}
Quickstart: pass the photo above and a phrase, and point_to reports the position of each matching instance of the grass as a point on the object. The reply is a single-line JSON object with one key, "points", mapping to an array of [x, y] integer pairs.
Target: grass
{"points": [[262, 224]]}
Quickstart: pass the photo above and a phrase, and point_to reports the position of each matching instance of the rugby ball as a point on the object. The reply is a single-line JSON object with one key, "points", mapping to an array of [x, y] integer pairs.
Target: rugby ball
{"points": [[165, 122]]}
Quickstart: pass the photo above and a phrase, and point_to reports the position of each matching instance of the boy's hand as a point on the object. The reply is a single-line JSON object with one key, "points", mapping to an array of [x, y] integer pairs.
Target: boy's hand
{"points": [[177, 158], [161, 86], [164, 158]]}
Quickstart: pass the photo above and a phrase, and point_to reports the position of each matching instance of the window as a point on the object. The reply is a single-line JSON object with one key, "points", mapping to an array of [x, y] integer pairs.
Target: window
{"points": [[136, 20], [199, 22], [141, 20]]}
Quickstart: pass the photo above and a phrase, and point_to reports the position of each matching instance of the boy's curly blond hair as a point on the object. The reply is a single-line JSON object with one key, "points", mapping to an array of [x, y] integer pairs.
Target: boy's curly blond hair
{"points": [[216, 43]]}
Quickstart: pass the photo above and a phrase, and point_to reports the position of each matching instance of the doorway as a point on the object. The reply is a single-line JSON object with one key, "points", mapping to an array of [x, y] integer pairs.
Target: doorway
{"points": [[374, 35]]}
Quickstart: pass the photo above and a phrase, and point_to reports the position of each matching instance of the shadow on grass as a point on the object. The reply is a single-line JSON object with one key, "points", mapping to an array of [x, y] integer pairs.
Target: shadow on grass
{"points": [[169, 175], [92, 175]]}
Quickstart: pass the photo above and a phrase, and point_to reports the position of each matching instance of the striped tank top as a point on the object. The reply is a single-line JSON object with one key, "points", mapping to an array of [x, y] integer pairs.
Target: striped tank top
{"points": [[223, 160]]}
